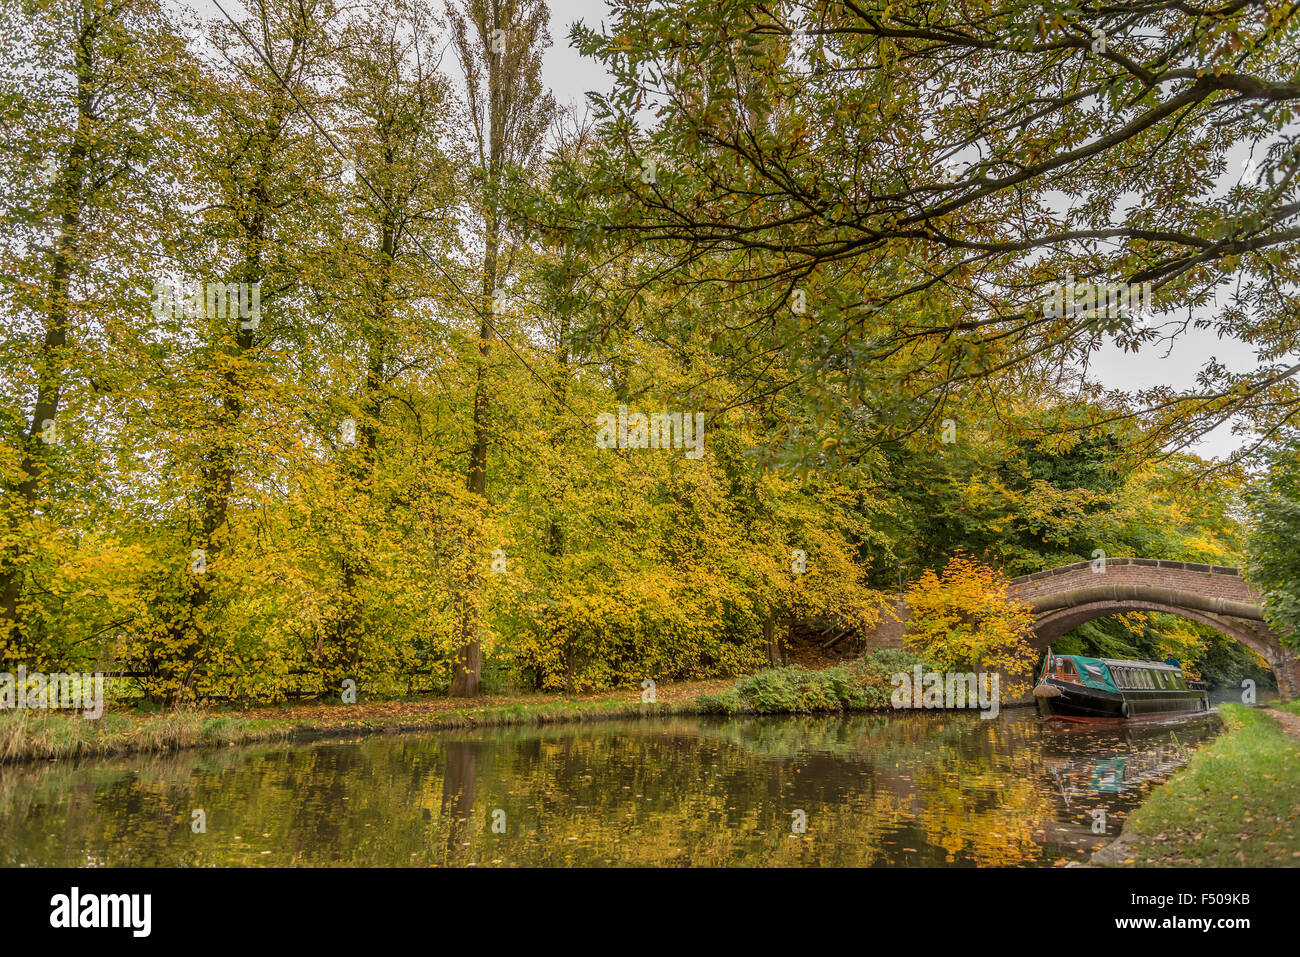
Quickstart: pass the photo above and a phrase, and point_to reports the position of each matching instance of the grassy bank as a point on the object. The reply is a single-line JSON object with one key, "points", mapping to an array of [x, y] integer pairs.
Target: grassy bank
{"points": [[42, 735], [1232, 806], [862, 684], [859, 685]]}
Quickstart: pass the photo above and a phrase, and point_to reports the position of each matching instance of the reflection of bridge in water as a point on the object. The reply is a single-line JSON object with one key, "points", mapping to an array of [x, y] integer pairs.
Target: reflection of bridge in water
{"points": [[1066, 597]]}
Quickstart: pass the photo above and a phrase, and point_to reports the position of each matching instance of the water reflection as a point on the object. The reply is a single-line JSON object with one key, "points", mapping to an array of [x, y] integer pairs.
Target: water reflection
{"points": [[914, 789]]}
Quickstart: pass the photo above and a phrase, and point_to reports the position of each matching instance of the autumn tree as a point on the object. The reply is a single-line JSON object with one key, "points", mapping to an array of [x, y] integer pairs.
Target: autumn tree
{"points": [[966, 619], [388, 267], [250, 156], [89, 92], [893, 192], [499, 44], [1273, 544]]}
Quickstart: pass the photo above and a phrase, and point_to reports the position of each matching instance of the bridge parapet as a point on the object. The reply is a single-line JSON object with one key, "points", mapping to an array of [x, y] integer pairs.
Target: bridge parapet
{"points": [[1143, 562], [1211, 581]]}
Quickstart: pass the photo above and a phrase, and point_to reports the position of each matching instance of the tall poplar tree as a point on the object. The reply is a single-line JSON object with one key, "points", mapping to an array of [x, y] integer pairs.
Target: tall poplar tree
{"points": [[499, 44], [397, 114]]}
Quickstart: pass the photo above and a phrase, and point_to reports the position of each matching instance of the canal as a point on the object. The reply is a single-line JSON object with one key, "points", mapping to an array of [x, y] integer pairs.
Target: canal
{"points": [[873, 789]]}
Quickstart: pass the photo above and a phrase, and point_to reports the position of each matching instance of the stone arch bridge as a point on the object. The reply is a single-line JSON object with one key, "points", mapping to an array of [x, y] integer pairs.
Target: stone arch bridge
{"points": [[1063, 598]]}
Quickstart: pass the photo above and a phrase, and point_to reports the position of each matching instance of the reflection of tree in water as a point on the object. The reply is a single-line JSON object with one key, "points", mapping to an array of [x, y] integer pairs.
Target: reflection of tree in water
{"points": [[977, 813], [455, 817], [877, 789]]}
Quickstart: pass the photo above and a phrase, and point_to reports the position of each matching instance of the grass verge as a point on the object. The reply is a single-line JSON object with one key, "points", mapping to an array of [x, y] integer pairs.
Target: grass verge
{"points": [[860, 685], [36, 735], [40, 735], [1233, 805]]}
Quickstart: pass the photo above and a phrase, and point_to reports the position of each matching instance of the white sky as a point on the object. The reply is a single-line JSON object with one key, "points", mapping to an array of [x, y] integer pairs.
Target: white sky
{"points": [[570, 76]]}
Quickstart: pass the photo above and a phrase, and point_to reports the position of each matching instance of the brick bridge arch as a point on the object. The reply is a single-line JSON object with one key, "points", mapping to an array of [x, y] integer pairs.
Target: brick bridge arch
{"points": [[1066, 597]]}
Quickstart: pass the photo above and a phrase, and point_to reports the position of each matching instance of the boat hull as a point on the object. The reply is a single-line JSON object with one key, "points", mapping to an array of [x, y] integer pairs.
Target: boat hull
{"points": [[1080, 702]]}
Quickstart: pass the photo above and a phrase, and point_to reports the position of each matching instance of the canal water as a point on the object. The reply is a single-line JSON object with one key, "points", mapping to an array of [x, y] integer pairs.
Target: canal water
{"points": [[875, 789]]}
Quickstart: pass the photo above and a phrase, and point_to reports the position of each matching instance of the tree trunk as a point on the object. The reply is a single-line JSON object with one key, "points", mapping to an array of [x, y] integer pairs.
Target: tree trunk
{"points": [[343, 655], [773, 639], [14, 634], [468, 665]]}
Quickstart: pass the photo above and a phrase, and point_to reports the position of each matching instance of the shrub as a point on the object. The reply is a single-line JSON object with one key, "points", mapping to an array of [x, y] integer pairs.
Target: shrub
{"points": [[859, 685]]}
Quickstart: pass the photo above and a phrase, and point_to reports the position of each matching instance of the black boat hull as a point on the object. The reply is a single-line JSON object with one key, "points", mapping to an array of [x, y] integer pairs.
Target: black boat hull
{"points": [[1077, 701]]}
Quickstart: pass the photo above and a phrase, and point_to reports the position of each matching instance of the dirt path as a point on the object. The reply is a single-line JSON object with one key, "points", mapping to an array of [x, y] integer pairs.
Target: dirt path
{"points": [[1290, 723]]}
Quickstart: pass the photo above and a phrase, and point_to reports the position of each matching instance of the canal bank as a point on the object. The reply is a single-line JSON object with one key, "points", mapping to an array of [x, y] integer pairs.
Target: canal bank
{"points": [[40, 735], [29, 734], [1232, 806], [861, 685]]}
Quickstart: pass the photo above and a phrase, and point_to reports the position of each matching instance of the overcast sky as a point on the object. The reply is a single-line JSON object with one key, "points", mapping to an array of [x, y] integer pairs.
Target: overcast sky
{"points": [[571, 76]]}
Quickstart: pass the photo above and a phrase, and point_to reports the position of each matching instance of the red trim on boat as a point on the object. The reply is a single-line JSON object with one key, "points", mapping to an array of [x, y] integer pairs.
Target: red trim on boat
{"points": [[1137, 719]]}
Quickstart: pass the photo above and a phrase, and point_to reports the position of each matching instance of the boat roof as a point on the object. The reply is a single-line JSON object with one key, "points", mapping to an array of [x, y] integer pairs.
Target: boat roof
{"points": [[1098, 677], [1137, 663], [1127, 662]]}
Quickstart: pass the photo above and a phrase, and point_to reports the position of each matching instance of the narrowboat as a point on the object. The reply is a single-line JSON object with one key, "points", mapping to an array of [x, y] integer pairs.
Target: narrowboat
{"points": [[1074, 687]]}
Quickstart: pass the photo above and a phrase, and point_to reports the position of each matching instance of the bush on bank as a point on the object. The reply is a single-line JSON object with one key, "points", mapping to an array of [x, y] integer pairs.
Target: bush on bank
{"points": [[860, 685]]}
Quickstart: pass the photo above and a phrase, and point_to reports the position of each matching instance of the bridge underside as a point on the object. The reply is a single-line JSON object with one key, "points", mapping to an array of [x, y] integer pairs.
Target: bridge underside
{"points": [[1057, 614]]}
